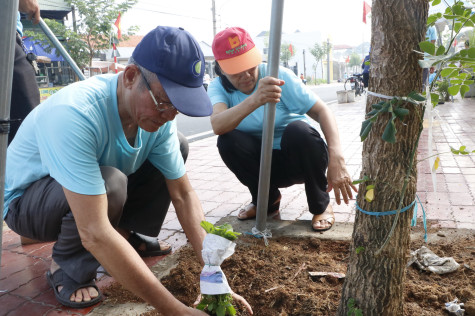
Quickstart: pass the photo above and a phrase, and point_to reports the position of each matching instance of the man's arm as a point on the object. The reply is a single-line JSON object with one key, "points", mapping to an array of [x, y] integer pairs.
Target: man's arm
{"points": [[31, 8], [338, 178], [189, 211], [117, 256]]}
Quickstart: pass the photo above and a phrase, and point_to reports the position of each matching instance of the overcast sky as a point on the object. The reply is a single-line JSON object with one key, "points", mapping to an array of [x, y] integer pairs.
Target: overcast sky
{"points": [[341, 20]]}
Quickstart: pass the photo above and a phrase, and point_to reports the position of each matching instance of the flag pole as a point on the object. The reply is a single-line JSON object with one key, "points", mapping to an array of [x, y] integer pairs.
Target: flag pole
{"points": [[269, 116]]}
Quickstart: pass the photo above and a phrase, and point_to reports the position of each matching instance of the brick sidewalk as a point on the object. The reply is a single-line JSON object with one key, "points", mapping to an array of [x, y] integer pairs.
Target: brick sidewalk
{"points": [[23, 287]]}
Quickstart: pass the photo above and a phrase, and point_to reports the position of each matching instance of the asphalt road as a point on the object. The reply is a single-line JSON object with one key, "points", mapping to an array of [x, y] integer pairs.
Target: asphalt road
{"points": [[195, 128]]}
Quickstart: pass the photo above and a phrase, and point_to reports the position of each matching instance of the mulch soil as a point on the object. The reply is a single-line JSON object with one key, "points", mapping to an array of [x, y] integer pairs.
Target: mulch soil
{"points": [[275, 279]]}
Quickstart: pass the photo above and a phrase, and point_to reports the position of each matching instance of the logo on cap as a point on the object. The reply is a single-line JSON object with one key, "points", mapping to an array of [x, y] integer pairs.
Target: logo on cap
{"points": [[196, 68], [234, 41]]}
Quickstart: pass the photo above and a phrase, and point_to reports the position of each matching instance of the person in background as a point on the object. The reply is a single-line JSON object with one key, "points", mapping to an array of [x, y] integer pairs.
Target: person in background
{"points": [[300, 155], [206, 81], [365, 67], [95, 167], [431, 36], [303, 79], [25, 93]]}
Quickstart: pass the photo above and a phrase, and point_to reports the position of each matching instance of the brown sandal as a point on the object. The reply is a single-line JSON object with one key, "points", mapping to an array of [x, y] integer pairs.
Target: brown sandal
{"points": [[326, 217], [250, 211]]}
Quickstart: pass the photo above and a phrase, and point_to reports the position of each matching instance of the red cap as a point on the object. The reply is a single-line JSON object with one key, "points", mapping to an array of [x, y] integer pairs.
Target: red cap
{"points": [[235, 51]]}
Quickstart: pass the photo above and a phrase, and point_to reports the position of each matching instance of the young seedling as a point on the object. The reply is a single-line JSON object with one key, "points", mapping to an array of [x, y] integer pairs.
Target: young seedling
{"points": [[220, 304]]}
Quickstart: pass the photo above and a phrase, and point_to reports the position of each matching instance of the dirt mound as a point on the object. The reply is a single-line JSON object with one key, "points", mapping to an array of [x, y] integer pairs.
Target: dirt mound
{"points": [[275, 279]]}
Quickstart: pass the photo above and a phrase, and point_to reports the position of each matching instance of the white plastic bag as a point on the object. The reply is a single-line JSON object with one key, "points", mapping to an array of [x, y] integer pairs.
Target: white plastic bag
{"points": [[215, 250], [427, 260]]}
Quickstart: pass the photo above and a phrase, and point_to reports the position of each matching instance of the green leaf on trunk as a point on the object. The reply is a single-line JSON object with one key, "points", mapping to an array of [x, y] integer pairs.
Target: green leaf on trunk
{"points": [[453, 90], [434, 97], [365, 129], [440, 51], [401, 113], [389, 134], [416, 96], [471, 52], [464, 89], [435, 2], [427, 47]]}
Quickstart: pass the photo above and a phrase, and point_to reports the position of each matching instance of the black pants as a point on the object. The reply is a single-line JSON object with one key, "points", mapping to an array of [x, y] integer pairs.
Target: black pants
{"points": [[365, 79], [138, 203], [303, 158], [25, 92]]}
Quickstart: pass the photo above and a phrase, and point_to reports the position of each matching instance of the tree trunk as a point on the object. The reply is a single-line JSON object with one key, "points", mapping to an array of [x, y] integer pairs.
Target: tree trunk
{"points": [[375, 282]]}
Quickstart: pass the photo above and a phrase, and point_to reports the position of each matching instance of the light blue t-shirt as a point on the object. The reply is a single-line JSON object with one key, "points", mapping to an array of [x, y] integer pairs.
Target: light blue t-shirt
{"points": [[77, 130], [296, 100], [19, 26]]}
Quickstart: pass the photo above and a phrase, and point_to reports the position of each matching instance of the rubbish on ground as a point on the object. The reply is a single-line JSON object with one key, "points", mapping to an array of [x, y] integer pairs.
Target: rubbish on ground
{"points": [[332, 274], [455, 308], [429, 261]]}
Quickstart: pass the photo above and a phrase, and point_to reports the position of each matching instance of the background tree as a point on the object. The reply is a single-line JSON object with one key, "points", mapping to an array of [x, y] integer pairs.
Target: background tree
{"points": [[319, 52], [355, 61], [286, 52], [76, 47], [375, 276], [95, 22]]}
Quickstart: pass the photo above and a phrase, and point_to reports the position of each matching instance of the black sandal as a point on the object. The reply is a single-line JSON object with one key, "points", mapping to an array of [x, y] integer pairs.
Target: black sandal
{"points": [[152, 245], [59, 278]]}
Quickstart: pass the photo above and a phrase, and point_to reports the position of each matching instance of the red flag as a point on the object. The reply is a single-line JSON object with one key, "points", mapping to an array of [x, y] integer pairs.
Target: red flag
{"points": [[117, 24], [455, 42], [291, 50], [366, 11], [347, 59]]}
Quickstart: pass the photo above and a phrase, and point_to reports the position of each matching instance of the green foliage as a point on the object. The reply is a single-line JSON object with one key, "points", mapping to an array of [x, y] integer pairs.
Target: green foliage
{"points": [[352, 309], [461, 151], [355, 60], [95, 22], [456, 68], [219, 305], [359, 250], [320, 51], [285, 53], [74, 44], [364, 179], [396, 111], [225, 230]]}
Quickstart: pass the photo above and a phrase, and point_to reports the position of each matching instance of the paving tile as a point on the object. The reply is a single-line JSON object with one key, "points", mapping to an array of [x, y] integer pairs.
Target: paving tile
{"points": [[10, 302], [30, 308], [33, 288]]}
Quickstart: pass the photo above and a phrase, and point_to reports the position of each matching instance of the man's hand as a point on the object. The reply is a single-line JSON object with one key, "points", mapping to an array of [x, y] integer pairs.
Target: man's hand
{"points": [[340, 181], [31, 8]]}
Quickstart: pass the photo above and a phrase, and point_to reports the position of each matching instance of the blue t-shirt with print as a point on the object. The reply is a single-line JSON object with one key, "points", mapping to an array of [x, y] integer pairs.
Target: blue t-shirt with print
{"points": [[296, 100], [75, 132]]}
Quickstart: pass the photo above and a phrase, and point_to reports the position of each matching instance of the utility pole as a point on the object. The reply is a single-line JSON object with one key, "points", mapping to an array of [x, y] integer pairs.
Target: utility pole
{"points": [[304, 69], [213, 9], [328, 60], [73, 12]]}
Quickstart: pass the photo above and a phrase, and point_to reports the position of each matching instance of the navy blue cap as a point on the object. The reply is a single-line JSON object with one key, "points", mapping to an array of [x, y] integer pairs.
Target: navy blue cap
{"points": [[177, 60]]}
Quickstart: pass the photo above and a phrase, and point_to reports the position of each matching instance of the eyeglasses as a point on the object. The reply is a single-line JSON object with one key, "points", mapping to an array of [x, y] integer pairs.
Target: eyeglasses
{"points": [[160, 106]]}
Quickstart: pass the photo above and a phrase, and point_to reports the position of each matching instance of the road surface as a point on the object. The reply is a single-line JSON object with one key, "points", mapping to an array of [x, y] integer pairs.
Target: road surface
{"points": [[195, 128]]}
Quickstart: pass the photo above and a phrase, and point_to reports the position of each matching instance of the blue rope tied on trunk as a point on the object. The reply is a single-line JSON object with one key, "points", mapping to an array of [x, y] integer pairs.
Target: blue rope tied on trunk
{"points": [[414, 217]]}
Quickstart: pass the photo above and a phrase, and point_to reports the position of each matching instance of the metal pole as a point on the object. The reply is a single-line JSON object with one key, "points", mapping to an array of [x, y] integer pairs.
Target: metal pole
{"points": [[213, 9], [8, 16], [269, 116], [304, 68], [61, 49], [328, 60]]}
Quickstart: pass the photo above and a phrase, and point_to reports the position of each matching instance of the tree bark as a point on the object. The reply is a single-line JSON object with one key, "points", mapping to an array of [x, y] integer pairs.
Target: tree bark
{"points": [[375, 282]]}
